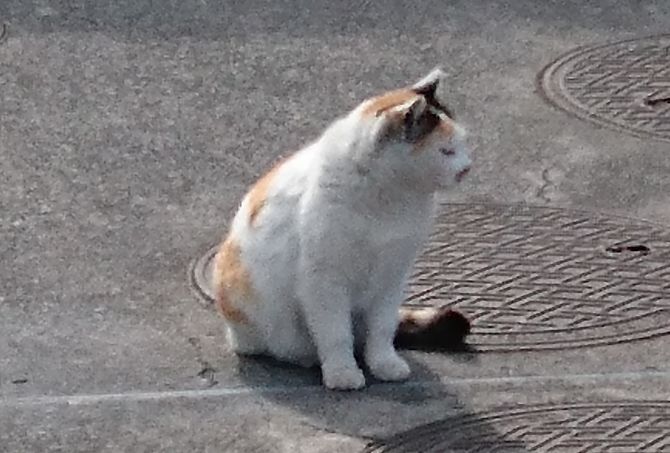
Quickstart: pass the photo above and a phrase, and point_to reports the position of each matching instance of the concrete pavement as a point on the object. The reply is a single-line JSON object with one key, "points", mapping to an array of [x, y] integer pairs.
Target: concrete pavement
{"points": [[129, 132]]}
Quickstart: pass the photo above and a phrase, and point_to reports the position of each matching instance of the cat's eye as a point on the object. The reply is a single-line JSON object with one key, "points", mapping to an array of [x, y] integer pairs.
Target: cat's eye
{"points": [[448, 151]]}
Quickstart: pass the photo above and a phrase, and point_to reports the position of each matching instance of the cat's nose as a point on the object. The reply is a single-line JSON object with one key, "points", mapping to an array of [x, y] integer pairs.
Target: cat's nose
{"points": [[462, 174]]}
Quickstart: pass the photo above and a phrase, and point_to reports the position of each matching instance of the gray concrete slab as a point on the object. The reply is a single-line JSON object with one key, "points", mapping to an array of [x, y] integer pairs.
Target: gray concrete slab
{"points": [[293, 418], [128, 133]]}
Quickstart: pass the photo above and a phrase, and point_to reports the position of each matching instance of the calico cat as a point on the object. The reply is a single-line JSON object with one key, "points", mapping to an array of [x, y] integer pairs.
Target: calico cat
{"points": [[318, 254]]}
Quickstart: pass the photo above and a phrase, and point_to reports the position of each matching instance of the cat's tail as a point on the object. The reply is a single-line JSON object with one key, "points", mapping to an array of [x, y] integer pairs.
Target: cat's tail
{"points": [[431, 328]]}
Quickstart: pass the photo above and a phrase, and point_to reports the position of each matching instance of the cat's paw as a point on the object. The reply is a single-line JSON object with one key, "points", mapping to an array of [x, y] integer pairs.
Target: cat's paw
{"points": [[391, 367], [342, 376]]}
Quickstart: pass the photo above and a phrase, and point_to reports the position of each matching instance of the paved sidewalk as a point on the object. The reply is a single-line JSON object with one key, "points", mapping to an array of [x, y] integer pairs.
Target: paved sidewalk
{"points": [[129, 131]]}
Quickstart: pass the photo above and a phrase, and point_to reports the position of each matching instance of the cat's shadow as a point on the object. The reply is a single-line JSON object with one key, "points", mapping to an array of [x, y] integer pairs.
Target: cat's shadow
{"points": [[254, 371], [379, 413]]}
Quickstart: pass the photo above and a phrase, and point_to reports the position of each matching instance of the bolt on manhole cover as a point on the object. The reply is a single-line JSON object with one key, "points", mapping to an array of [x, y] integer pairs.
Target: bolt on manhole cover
{"points": [[533, 277], [598, 427], [625, 85]]}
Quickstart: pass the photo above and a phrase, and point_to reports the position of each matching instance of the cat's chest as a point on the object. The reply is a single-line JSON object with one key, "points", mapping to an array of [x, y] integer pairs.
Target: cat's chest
{"points": [[389, 243], [387, 228]]}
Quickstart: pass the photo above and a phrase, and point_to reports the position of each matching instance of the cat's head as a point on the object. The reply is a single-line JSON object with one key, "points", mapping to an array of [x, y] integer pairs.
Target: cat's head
{"points": [[416, 133]]}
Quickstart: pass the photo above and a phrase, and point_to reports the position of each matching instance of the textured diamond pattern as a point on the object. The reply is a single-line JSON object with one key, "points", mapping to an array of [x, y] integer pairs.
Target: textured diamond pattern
{"points": [[642, 427], [614, 84], [544, 275]]}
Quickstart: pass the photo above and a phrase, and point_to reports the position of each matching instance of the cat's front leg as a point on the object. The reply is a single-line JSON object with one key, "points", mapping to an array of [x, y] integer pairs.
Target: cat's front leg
{"points": [[327, 310], [329, 263], [380, 354]]}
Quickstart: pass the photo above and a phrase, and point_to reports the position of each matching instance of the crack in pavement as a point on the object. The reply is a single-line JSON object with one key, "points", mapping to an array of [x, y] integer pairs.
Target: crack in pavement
{"points": [[207, 372], [542, 190], [3, 32]]}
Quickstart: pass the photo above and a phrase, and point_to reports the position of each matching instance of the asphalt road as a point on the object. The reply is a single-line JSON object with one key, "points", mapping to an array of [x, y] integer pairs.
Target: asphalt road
{"points": [[129, 130]]}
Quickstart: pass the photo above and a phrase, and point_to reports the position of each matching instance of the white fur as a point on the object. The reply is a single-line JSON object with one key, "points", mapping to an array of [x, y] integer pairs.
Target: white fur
{"points": [[333, 244]]}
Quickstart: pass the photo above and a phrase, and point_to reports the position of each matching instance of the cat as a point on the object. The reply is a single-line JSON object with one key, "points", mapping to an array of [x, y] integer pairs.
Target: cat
{"points": [[315, 262]]}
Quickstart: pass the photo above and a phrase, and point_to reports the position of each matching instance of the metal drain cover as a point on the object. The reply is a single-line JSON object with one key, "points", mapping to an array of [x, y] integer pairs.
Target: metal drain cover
{"points": [[624, 85], [622, 427], [538, 277]]}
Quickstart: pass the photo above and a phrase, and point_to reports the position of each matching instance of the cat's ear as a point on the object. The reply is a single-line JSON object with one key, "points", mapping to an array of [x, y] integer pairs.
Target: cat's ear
{"points": [[416, 120], [428, 85]]}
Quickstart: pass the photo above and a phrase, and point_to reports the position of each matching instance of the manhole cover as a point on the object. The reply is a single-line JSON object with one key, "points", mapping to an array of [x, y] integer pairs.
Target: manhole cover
{"points": [[625, 85], [612, 427], [538, 277]]}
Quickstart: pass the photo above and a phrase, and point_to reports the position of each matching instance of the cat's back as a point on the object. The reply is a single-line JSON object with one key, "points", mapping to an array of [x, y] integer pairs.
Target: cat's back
{"points": [[275, 196], [265, 226]]}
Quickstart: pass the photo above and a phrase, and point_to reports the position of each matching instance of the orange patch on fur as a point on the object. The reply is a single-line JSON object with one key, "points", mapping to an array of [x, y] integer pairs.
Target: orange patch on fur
{"points": [[259, 192], [233, 281], [445, 128], [377, 105]]}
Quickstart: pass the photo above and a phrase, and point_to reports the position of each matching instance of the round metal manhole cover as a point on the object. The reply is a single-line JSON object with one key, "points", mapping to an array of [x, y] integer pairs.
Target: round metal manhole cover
{"points": [[625, 85], [531, 277], [616, 427]]}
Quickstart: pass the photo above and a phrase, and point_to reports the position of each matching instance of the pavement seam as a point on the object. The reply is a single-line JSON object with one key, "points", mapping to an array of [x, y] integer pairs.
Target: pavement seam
{"points": [[91, 399]]}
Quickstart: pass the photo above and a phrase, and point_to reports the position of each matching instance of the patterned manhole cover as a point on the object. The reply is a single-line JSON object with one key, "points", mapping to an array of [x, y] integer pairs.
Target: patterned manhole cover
{"points": [[625, 85], [574, 428], [538, 277]]}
